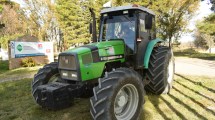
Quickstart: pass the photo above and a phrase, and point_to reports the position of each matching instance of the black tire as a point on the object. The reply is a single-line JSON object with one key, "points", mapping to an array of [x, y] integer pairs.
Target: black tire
{"points": [[103, 102], [43, 76], [158, 74]]}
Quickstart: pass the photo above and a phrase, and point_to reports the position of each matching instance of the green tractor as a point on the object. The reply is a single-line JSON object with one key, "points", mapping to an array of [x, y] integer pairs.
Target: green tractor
{"points": [[114, 70]]}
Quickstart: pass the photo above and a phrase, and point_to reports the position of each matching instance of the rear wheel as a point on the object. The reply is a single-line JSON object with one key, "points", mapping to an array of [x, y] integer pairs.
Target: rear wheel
{"points": [[49, 73], [161, 71], [119, 95]]}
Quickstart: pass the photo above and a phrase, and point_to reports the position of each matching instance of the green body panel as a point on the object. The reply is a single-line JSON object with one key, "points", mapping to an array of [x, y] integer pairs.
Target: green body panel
{"points": [[78, 50], [106, 49], [149, 49]]}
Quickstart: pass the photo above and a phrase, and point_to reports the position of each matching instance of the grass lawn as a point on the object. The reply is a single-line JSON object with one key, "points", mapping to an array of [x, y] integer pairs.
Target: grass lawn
{"points": [[191, 98], [6, 73], [194, 54], [3, 66]]}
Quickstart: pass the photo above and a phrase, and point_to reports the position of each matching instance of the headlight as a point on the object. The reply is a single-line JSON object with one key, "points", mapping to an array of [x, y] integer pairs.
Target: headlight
{"points": [[69, 75]]}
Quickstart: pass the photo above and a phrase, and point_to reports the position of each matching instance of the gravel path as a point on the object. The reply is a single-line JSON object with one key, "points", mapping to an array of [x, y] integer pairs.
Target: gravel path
{"points": [[194, 66]]}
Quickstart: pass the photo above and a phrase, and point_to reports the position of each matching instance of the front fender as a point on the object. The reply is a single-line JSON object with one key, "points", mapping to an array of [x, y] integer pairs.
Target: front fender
{"points": [[149, 49]]}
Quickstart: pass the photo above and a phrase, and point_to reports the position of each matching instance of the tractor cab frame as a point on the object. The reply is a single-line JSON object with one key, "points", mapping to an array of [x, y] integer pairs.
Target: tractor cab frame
{"points": [[133, 24]]}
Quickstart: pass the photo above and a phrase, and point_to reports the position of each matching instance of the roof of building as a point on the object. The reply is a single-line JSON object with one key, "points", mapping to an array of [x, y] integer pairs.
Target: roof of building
{"points": [[128, 7]]}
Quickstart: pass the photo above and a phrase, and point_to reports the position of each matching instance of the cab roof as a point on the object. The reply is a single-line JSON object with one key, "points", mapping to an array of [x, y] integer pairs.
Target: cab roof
{"points": [[128, 7]]}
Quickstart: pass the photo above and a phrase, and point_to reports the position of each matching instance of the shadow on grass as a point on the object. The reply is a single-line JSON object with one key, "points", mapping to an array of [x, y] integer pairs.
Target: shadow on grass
{"points": [[211, 99], [192, 99], [173, 109], [197, 83], [185, 105], [154, 99]]}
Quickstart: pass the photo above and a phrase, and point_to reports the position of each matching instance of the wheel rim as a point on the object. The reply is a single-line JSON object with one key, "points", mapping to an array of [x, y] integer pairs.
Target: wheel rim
{"points": [[170, 72], [54, 78], [126, 102]]}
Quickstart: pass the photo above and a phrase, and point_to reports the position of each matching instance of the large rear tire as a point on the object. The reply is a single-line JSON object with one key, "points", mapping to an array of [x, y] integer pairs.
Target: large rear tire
{"points": [[48, 73], [119, 96], [161, 71]]}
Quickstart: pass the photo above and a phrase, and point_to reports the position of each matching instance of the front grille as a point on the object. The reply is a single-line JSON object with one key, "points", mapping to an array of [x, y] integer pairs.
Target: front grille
{"points": [[67, 62]]}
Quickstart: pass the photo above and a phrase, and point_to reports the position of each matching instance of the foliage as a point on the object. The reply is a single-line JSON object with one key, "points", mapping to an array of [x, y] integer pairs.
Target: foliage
{"points": [[41, 21], [206, 29], [207, 26], [172, 16], [200, 41], [5, 38], [28, 62], [14, 23], [73, 17]]}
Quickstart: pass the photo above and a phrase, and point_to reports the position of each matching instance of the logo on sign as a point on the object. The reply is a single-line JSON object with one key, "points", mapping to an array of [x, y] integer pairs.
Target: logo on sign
{"points": [[40, 46], [19, 48], [48, 50]]}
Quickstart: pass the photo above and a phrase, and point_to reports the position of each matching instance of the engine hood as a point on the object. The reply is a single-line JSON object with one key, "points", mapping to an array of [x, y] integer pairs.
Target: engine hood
{"points": [[104, 48]]}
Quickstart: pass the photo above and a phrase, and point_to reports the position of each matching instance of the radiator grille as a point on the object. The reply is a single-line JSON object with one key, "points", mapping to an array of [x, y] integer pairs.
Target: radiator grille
{"points": [[67, 62]]}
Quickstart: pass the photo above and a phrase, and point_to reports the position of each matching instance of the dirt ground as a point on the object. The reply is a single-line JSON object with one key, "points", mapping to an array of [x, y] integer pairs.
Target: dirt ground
{"points": [[194, 66]]}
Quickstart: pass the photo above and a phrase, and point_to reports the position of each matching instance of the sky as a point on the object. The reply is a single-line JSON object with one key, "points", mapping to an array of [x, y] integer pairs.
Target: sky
{"points": [[204, 10], [21, 2]]}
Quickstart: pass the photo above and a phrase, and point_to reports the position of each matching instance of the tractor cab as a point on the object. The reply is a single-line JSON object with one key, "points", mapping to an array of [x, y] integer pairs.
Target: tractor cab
{"points": [[133, 24]]}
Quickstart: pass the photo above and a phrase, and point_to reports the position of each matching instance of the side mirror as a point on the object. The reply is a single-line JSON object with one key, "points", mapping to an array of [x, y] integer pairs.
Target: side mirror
{"points": [[148, 21], [91, 28]]}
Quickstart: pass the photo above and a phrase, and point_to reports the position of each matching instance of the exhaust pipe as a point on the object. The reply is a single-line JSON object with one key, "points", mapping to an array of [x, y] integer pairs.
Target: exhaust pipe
{"points": [[93, 25]]}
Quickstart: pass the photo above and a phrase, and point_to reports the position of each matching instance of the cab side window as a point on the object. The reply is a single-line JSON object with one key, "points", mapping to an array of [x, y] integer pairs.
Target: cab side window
{"points": [[143, 32]]}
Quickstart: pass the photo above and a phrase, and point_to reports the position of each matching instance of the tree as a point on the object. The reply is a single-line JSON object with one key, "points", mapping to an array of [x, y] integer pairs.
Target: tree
{"points": [[42, 21], [74, 18], [199, 41], [173, 16], [12, 21], [207, 30]]}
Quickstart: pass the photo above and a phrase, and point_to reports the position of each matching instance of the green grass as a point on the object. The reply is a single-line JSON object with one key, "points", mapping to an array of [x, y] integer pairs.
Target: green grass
{"points": [[3, 66], [191, 98], [6, 73], [194, 54]]}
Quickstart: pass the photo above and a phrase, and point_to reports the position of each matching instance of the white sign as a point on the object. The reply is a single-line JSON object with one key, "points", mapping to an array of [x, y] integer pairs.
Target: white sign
{"points": [[27, 49]]}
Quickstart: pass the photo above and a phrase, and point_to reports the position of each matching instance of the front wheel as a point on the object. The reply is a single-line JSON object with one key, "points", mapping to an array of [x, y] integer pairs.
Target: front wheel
{"points": [[49, 73], [119, 95]]}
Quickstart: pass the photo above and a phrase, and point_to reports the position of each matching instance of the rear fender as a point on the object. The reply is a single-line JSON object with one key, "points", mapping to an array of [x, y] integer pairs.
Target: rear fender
{"points": [[149, 49]]}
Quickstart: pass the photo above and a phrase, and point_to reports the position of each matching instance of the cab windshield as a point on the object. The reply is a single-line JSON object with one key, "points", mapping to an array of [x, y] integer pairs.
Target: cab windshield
{"points": [[119, 27]]}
